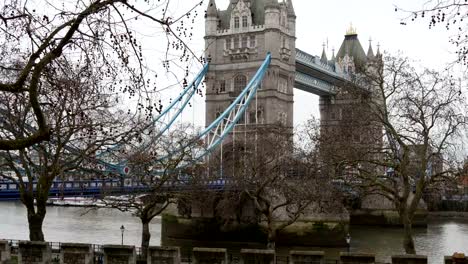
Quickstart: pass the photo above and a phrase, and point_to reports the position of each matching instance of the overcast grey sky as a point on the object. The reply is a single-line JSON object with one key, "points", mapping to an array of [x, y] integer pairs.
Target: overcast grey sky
{"points": [[321, 22]]}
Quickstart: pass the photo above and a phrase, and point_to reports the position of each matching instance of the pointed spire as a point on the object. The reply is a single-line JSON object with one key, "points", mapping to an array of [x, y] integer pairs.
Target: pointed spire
{"points": [[370, 52], [324, 59], [212, 10], [333, 55], [351, 30], [291, 11], [378, 50]]}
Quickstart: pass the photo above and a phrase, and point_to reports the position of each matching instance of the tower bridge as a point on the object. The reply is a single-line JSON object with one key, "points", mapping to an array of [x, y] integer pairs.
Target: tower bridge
{"points": [[239, 37], [254, 66]]}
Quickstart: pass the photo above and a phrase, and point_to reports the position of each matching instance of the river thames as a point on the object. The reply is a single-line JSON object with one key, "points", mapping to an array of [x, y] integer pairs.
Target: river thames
{"points": [[102, 226]]}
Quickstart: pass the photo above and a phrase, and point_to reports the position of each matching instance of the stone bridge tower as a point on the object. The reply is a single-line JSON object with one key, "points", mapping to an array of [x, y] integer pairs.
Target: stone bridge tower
{"points": [[237, 41], [349, 128]]}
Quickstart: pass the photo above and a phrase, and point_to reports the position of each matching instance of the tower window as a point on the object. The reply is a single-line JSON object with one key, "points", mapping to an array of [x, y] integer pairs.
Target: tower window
{"points": [[244, 22], [236, 42], [240, 81], [283, 84], [244, 42], [236, 22], [222, 86], [258, 118], [253, 41]]}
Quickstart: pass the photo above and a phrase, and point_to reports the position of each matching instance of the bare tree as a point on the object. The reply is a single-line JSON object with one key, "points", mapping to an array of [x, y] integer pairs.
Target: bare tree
{"points": [[422, 114], [100, 36], [81, 123], [450, 14], [279, 184], [165, 167]]}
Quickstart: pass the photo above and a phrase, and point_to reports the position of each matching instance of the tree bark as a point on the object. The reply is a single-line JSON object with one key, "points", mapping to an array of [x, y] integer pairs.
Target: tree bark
{"points": [[271, 243], [408, 242], [35, 221], [271, 239], [145, 238]]}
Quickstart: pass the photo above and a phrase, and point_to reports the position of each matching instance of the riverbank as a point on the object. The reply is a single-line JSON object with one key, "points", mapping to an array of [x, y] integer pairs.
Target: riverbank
{"points": [[448, 214], [442, 236]]}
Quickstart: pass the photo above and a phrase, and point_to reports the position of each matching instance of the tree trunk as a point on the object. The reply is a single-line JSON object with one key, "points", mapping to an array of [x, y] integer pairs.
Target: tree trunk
{"points": [[408, 242], [271, 244], [145, 238], [35, 221], [271, 239]]}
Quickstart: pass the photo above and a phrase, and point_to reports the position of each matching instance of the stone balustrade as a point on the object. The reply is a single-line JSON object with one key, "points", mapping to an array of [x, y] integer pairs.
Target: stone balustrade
{"points": [[34, 252], [409, 259], [457, 258], [306, 257], [209, 256], [74, 253], [257, 256], [348, 258], [5, 251], [163, 255], [117, 254]]}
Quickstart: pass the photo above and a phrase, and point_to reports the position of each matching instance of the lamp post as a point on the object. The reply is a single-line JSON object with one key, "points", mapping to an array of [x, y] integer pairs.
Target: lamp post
{"points": [[122, 230], [348, 241]]}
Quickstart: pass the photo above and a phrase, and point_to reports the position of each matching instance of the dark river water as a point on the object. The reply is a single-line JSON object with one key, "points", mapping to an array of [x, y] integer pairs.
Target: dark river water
{"points": [[72, 224]]}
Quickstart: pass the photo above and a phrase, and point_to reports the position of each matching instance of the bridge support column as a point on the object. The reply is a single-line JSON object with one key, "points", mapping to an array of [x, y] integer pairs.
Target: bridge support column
{"points": [[117, 254], [71, 253], [34, 252]]}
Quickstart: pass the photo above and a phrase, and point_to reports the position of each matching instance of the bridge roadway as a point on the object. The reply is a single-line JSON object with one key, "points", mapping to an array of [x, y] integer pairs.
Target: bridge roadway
{"points": [[95, 188], [98, 188]]}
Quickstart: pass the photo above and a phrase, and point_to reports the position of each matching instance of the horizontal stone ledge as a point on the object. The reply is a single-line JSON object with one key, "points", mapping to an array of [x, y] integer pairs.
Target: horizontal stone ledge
{"points": [[36, 244], [75, 246], [122, 249]]}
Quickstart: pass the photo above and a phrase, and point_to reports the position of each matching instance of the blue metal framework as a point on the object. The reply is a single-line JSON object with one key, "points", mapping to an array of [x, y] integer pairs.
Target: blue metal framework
{"points": [[213, 134], [218, 130]]}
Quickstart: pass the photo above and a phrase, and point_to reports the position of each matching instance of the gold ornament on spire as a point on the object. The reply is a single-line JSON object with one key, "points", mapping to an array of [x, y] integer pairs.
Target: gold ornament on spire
{"points": [[351, 30]]}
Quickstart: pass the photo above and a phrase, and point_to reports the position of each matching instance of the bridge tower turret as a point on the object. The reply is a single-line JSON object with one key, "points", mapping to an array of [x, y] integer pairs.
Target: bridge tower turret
{"points": [[347, 123], [245, 32]]}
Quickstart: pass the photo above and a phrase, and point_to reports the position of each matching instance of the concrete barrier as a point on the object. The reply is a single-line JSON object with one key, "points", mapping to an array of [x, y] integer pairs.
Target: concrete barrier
{"points": [[5, 251], [409, 259], [117, 254], [163, 255], [306, 257], [346, 257], [257, 256], [75, 253], [34, 252], [209, 256]]}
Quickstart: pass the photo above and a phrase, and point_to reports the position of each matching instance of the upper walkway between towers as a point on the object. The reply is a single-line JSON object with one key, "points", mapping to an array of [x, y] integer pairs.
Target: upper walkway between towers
{"points": [[314, 76]]}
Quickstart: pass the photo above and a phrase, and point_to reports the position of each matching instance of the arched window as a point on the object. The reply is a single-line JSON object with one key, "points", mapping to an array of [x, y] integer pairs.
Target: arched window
{"points": [[244, 22], [240, 81], [236, 22]]}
